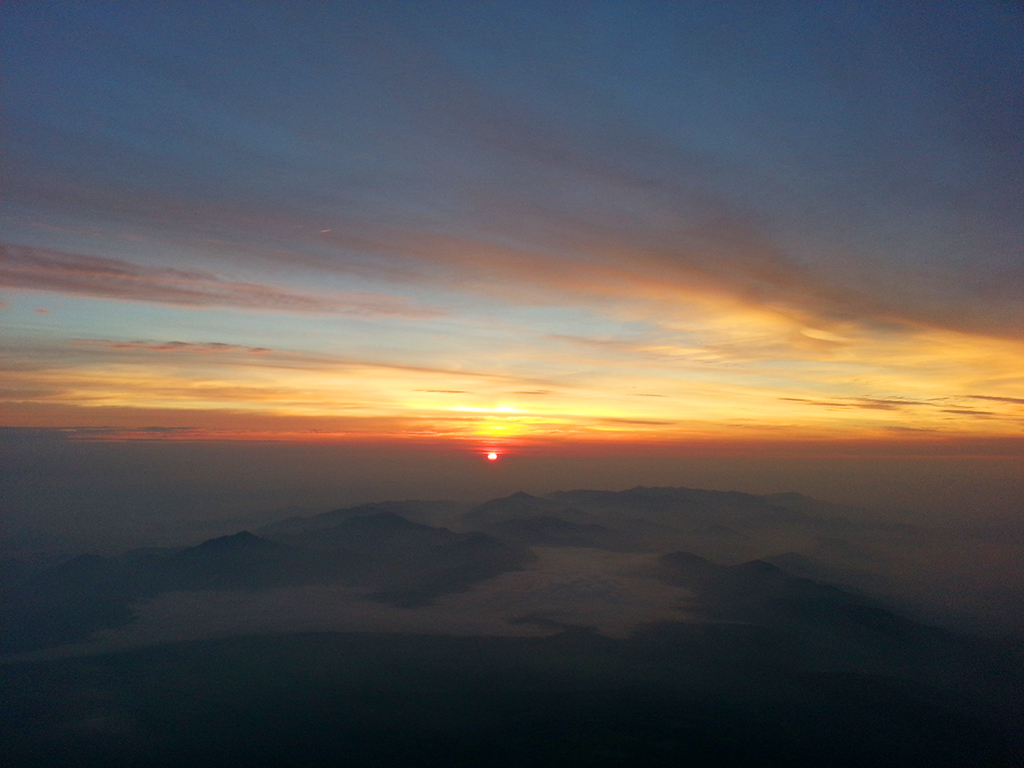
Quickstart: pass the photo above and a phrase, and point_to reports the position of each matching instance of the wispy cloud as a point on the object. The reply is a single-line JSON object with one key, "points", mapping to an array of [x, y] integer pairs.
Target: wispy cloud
{"points": [[867, 403], [1014, 400], [655, 236], [172, 346], [40, 269], [922, 411]]}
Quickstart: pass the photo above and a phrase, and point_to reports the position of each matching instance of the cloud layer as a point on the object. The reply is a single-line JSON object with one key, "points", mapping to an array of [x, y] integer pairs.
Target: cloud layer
{"points": [[23, 267], [669, 220]]}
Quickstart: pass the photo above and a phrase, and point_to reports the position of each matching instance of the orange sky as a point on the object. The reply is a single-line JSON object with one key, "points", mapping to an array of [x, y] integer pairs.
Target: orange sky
{"points": [[524, 236]]}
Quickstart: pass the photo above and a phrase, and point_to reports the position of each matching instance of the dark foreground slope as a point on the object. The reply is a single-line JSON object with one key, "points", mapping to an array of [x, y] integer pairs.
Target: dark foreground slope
{"points": [[693, 694]]}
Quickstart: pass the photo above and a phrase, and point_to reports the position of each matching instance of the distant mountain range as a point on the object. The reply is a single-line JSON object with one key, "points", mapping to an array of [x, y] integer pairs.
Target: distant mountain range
{"points": [[722, 525], [392, 559], [777, 643], [736, 550]]}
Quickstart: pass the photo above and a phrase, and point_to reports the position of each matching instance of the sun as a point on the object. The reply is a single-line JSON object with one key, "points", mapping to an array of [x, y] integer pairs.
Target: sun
{"points": [[492, 456]]}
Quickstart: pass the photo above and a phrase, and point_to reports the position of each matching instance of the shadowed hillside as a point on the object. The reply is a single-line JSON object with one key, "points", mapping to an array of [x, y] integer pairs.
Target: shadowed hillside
{"points": [[389, 558], [689, 694]]}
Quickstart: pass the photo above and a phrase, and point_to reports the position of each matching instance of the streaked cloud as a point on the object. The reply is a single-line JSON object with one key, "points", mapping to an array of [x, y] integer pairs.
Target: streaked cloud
{"points": [[869, 403], [171, 346], [38, 269], [1015, 400], [472, 224]]}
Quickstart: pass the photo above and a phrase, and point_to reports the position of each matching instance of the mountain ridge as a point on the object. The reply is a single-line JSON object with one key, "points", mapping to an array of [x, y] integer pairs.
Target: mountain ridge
{"points": [[408, 563]]}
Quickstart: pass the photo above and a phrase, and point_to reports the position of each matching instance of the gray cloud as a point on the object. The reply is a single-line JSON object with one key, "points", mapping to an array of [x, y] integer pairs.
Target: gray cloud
{"points": [[868, 403], [40, 269], [376, 150], [1014, 400]]}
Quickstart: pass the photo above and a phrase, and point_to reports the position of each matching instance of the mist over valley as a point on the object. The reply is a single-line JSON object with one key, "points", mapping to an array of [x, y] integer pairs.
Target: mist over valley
{"points": [[675, 599]]}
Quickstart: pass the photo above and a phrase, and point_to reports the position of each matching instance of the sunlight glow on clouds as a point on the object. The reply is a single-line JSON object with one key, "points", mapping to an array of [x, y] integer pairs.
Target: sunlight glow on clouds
{"points": [[424, 236]]}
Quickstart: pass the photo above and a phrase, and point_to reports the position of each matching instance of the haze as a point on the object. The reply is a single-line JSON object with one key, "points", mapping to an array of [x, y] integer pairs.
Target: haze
{"points": [[732, 292]]}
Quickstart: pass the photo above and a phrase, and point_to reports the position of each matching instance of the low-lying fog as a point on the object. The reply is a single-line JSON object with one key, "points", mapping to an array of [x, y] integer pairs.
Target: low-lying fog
{"points": [[614, 592]]}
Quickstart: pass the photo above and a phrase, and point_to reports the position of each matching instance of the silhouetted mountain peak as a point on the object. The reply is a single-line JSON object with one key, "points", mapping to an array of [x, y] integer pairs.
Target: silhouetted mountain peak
{"points": [[380, 527], [687, 560], [517, 499], [234, 542], [790, 561], [430, 513], [518, 505]]}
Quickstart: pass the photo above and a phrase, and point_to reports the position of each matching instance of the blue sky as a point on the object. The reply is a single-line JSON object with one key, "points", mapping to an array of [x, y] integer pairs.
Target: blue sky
{"points": [[799, 219]]}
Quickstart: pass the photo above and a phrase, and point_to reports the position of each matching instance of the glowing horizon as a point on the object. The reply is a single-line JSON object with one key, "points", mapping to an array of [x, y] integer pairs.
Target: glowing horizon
{"points": [[489, 254]]}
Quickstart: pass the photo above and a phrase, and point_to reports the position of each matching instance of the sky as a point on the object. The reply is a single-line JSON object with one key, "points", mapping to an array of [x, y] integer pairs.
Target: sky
{"points": [[600, 229]]}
